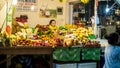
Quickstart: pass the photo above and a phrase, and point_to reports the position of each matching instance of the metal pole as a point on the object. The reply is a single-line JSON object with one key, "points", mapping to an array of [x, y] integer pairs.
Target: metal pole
{"points": [[95, 16]]}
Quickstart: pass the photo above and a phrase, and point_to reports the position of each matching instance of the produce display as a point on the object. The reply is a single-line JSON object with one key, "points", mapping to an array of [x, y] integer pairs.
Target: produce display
{"points": [[70, 40], [91, 44], [66, 36], [18, 23]]}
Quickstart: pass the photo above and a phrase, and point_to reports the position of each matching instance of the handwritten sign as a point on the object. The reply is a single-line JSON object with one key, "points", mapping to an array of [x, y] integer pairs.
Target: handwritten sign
{"points": [[26, 5]]}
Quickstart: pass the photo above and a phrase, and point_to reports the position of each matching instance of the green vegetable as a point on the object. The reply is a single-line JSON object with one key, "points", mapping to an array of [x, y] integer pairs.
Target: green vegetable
{"points": [[62, 28]]}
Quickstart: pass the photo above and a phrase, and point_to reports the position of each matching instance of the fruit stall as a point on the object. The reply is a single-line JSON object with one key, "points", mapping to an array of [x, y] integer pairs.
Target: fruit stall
{"points": [[70, 42], [66, 43], [65, 36]]}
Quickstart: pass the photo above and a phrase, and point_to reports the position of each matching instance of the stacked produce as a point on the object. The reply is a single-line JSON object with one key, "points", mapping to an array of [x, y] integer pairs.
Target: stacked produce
{"points": [[91, 44], [42, 30], [48, 36], [5, 40], [18, 23], [70, 40], [29, 42], [43, 40], [69, 26], [62, 30], [67, 35], [82, 34]]}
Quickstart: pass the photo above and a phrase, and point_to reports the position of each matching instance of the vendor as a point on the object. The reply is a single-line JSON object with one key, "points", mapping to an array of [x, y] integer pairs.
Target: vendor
{"points": [[52, 25]]}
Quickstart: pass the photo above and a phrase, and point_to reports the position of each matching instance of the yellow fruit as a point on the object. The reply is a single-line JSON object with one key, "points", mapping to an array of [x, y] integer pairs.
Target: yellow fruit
{"points": [[85, 1]]}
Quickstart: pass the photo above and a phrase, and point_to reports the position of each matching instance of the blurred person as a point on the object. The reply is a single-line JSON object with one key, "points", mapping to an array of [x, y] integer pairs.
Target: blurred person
{"points": [[118, 31], [52, 25], [76, 21], [112, 51]]}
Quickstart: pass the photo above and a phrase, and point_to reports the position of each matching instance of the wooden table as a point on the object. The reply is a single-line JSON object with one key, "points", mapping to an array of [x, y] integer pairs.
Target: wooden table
{"points": [[27, 50]]}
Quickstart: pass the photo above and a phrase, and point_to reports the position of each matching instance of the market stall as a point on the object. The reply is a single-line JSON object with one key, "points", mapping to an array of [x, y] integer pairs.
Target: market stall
{"points": [[67, 42]]}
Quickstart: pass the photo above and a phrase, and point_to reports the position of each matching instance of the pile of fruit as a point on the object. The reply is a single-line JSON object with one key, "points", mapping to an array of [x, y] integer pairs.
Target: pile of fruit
{"points": [[46, 42], [70, 26], [42, 30], [82, 34], [91, 44], [67, 35], [70, 40]]}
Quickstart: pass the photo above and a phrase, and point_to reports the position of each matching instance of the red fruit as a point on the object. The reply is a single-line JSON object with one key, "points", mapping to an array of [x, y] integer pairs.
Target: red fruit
{"points": [[43, 43], [35, 36], [40, 42], [34, 44], [47, 44]]}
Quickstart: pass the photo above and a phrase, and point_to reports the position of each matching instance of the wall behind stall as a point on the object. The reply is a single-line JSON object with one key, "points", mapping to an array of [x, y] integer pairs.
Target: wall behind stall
{"points": [[34, 19]]}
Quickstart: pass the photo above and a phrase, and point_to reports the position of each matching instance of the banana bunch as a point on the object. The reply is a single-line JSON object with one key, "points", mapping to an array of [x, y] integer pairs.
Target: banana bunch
{"points": [[90, 30], [13, 40], [26, 25], [81, 34], [69, 26], [44, 38]]}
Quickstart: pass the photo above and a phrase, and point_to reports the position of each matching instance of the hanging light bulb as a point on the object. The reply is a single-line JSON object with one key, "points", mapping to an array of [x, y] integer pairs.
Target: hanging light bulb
{"points": [[118, 22], [107, 9], [84, 1]]}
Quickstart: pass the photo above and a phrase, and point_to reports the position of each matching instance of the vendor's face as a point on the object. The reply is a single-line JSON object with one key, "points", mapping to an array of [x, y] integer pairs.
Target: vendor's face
{"points": [[53, 23]]}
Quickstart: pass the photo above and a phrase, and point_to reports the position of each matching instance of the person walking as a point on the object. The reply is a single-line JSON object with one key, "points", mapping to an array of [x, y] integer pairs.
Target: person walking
{"points": [[112, 51]]}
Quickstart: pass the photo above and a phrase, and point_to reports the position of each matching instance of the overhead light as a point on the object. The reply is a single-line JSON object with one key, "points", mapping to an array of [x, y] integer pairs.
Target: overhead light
{"points": [[14, 2], [32, 8], [118, 22], [107, 9], [117, 12]]}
